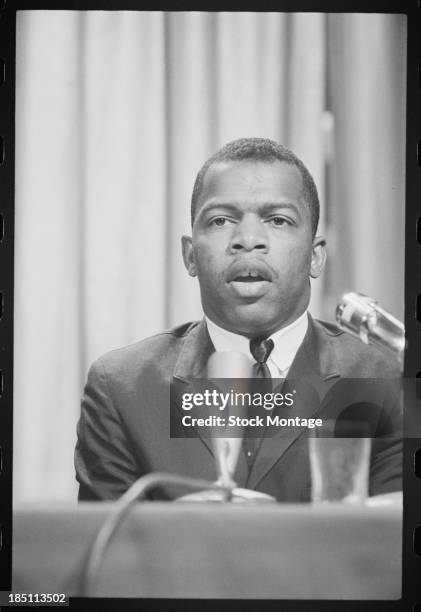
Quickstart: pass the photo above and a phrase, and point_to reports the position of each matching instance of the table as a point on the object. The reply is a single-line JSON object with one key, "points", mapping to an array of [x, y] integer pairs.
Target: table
{"points": [[187, 550]]}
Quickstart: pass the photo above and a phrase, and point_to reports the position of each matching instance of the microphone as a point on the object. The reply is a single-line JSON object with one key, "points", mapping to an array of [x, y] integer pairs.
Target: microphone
{"points": [[232, 371], [362, 317], [238, 369]]}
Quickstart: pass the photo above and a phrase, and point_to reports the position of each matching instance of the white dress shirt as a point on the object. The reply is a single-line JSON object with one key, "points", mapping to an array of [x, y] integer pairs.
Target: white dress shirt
{"points": [[286, 344]]}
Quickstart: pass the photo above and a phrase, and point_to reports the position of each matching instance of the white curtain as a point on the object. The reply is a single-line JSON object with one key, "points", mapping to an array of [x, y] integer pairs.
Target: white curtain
{"points": [[367, 66], [115, 114]]}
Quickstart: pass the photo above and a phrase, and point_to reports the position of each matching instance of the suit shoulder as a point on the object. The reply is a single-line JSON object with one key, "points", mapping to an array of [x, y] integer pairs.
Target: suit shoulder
{"points": [[159, 348], [357, 358]]}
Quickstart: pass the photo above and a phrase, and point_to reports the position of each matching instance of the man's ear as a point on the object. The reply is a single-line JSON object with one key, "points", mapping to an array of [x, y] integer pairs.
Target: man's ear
{"points": [[318, 256], [188, 255]]}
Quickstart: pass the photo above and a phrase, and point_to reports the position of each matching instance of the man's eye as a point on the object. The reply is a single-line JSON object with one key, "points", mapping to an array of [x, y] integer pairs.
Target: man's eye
{"points": [[219, 221], [279, 221]]}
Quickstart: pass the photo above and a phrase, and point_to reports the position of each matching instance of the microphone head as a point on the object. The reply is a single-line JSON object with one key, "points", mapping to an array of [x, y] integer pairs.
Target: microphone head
{"points": [[229, 364], [362, 317]]}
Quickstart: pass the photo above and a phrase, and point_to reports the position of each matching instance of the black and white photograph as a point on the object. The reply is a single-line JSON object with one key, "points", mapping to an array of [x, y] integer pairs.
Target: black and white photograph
{"points": [[209, 196]]}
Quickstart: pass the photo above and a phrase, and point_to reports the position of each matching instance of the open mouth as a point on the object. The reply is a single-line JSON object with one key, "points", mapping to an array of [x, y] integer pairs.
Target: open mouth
{"points": [[249, 272], [249, 278]]}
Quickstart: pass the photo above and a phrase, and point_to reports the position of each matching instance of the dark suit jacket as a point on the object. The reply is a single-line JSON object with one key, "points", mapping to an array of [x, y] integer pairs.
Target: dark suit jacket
{"points": [[124, 428]]}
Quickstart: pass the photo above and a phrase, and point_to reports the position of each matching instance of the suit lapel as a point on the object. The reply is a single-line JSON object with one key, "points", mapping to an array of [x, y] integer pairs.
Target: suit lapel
{"points": [[312, 372], [194, 354], [190, 365]]}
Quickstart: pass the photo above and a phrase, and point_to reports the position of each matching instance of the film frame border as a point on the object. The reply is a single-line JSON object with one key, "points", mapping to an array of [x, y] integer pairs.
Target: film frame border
{"points": [[7, 103], [411, 589]]}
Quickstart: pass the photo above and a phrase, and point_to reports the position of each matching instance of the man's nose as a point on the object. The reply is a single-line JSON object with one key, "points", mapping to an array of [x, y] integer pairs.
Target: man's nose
{"points": [[249, 234]]}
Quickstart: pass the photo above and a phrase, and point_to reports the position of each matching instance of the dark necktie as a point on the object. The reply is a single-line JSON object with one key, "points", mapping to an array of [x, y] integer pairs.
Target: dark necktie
{"points": [[260, 348]]}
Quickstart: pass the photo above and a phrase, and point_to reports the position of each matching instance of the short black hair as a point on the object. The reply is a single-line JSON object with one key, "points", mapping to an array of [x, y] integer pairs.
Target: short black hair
{"points": [[262, 150]]}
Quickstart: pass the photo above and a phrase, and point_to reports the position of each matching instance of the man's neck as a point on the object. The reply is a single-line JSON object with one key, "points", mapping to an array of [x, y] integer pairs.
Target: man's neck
{"points": [[277, 332]]}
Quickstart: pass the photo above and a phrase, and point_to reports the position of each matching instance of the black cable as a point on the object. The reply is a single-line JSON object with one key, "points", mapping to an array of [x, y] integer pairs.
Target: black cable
{"points": [[96, 552]]}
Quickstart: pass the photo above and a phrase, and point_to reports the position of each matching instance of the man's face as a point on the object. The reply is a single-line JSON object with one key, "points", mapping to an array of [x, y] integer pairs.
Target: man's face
{"points": [[252, 246]]}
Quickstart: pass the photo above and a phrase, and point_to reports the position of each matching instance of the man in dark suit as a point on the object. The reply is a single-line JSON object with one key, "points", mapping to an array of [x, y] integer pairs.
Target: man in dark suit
{"points": [[253, 248]]}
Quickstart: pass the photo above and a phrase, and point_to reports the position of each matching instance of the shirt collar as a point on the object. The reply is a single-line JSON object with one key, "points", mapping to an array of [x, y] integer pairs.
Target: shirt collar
{"points": [[286, 341]]}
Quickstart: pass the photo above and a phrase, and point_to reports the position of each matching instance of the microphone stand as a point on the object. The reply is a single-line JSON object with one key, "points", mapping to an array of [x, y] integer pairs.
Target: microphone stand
{"points": [[225, 488]]}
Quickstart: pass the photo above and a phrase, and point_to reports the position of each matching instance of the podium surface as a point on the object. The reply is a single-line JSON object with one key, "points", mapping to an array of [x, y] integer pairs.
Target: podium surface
{"points": [[188, 550]]}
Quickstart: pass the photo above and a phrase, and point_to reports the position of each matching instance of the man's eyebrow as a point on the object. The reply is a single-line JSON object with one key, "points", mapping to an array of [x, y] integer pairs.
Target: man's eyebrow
{"points": [[264, 207], [270, 206], [213, 204]]}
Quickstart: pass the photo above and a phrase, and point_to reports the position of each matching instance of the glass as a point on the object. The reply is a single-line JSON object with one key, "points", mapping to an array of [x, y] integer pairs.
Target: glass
{"points": [[340, 463]]}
